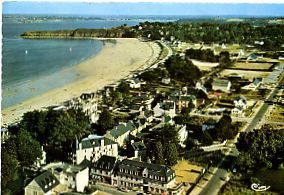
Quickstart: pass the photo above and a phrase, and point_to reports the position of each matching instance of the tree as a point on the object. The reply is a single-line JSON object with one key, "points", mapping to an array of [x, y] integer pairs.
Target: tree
{"points": [[28, 149], [123, 88], [206, 138], [158, 152], [182, 69], [105, 122], [223, 129], [167, 134], [9, 162], [224, 58], [171, 154], [261, 148], [33, 122]]}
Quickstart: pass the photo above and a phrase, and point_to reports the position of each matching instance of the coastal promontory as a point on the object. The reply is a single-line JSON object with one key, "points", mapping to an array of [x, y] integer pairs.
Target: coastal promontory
{"points": [[79, 33]]}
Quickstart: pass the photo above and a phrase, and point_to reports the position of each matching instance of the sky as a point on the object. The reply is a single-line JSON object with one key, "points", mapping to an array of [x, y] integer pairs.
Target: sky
{"points": [[144, 8]]}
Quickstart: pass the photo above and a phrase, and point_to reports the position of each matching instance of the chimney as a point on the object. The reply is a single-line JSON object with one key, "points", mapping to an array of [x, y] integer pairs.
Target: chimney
{"points": [[136, 154], [102, 141]]}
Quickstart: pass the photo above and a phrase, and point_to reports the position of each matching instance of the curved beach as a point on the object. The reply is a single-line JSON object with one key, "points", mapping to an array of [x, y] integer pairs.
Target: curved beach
{"points": [[114, 62]]}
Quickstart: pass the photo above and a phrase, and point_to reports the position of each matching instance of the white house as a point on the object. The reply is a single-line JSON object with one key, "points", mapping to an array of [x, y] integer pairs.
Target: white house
{"points": [[135, 83], [240, 102], [165, 108], [240, 105], [183, 134], [44, 183], [254, 84], [237, 111], [75, 177], [93, 147], [166, 80]]}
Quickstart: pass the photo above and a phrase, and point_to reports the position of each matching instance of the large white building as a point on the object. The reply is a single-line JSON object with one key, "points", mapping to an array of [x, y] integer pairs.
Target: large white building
{"points": [[74, 177], [93, 147]]}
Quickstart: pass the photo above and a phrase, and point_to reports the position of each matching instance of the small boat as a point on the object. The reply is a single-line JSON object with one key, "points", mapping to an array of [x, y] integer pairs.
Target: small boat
{"points": [[26, 52], [70, 49]]}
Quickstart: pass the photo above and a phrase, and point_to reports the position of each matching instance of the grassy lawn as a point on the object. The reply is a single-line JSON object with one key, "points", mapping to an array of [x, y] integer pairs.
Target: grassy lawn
{"points": [[276, 114], [186, 172], [252, 66], [204, 65], [246, 73]]}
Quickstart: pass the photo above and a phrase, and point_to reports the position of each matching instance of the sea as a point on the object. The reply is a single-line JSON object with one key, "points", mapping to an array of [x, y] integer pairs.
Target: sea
{"points": [[33, 67]]}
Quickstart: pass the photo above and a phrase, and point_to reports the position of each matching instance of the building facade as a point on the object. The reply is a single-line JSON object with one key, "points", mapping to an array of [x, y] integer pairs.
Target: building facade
{"points": [[93, 147]]}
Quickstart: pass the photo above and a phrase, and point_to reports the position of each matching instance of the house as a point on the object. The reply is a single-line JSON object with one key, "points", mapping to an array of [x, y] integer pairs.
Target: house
{"points": [[45, 183], [221, 84], [42, 160], [147, 115], [165, 108], [200, 86], [240, 102], [88, 102], [183, 100], [209, 124], [103, 169], [146, 176], [237, 111], [74, 177], [134, 83], [121, 132], [240, 105], [254, 84], [183, 134], [166, 80], [181, 129], [138, 150], [93, 147], [4, 134], [135, 108]]}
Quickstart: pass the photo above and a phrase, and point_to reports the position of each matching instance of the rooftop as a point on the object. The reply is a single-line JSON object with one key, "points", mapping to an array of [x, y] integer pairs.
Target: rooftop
{"points": [[46, 181], [122, 129], [220, 82], [105, 163], [95, 142]]}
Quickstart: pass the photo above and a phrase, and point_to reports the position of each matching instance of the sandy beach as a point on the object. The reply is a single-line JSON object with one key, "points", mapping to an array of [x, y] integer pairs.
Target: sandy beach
{"points": [[114, 62]]}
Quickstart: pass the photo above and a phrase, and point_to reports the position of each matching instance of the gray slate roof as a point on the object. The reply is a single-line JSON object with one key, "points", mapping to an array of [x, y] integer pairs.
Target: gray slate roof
{"points": [[91, 143], [138, 145], [220, 82], [122, 129], [105, 163], [153, 169], [46, 181]]}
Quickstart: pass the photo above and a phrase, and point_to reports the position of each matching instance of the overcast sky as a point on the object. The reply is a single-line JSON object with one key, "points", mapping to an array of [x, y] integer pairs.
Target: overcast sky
{"points": [[144, 8]]}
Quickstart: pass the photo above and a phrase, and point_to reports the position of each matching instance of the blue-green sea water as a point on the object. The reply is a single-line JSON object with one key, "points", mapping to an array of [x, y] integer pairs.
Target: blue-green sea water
{"points": [[33, 67]]}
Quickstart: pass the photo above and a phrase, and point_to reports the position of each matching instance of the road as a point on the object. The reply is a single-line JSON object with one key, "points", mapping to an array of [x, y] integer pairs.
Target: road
{"points": [[112, 190], [261, 112], [214, 183]]}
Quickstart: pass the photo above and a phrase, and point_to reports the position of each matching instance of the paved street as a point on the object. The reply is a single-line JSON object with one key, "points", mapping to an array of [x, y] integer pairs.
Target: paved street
{"points": [[214, 183], [112, 190]]}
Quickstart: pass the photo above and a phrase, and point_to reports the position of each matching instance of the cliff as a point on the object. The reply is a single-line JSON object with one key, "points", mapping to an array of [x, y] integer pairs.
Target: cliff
{"points": [[79, 33]]}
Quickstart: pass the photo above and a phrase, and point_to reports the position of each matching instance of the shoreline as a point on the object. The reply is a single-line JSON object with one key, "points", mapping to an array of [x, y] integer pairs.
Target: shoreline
{"points": [[115, 61]]}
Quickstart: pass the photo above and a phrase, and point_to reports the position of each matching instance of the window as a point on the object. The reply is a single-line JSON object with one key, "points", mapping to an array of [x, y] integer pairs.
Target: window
{"points": [[34, 192]]}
